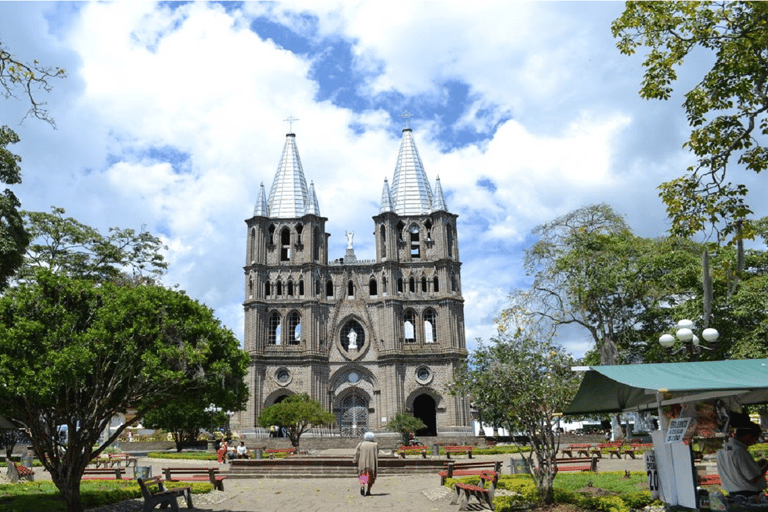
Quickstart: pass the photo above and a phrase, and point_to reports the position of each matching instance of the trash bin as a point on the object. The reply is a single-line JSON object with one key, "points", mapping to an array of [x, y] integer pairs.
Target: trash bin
{"points": [[519, 466], [27, 459], [142, 472], [257, 453], [436, 450]]}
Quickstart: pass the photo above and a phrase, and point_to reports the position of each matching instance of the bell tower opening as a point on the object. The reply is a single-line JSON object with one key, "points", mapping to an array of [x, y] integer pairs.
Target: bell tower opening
{"points": [[425, 409]]}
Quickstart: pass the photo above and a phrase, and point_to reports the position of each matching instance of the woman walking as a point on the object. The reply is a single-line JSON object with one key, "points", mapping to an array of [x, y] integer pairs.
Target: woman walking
{"points": [[367, 461]]}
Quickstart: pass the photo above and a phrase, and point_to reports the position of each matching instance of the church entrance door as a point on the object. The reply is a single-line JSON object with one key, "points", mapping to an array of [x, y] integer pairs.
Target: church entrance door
{"points": [[425, 409], [354, 416]]}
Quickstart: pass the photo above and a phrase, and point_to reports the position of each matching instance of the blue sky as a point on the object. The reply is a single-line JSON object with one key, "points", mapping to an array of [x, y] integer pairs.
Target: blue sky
{"points": [[172, 115]]}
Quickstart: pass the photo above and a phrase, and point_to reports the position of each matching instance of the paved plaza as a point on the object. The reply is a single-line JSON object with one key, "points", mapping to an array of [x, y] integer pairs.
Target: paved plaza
{"points": [[413, 493]]}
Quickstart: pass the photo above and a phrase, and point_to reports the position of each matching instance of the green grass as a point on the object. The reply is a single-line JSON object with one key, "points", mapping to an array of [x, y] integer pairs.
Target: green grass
{"points": [[43, 496], [182, 455]]}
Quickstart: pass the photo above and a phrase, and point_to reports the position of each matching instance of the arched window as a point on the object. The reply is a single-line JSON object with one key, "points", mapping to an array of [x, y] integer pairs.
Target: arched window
{"points": [[317, 287], [430, 326], [413, 232], [267, 289], [294, 328], [252, 244], [409, 322], [316, 243], [299, 229], [435, 284], [290, 288], [329, 288], [453, 283], [399, 285], [301, 288], [412, 285], [250, 287], [384, 285], [400, 227], [383, 242], [274, 328], [423, 284], [350, 289], [271, 240], [279, 291], [372, 291], [449, 232], [285, 244]]}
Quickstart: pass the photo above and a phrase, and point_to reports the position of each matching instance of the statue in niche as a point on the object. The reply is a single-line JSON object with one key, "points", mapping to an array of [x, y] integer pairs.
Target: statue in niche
{"points": [[350, 236], [352, 337]]}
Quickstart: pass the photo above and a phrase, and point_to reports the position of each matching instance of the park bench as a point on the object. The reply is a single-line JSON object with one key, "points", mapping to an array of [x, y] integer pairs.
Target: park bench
{"points": [[635, 449], [579, 448], [18, 472], [162, 496], [103, 473], [458, 449], [459, 469], [709, 480], [462, 492], [412, 450], [276, 451], [116, 459], [611, 449], [577, 464], [195, 474]]}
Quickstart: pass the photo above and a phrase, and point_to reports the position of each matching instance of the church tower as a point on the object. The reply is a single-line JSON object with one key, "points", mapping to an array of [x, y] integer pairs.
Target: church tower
{"points": [[367, 339]]}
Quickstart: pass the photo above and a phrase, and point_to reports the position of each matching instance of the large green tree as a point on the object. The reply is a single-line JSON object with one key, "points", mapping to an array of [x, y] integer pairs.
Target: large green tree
{"points": [[524, 372], [297, 413], [67, 246], [727, 109], [75, 353], [13, 237]]}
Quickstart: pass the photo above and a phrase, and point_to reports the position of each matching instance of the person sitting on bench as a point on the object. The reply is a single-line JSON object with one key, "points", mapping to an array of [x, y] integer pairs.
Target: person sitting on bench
{"points": [[242, 451], [740, 474]]}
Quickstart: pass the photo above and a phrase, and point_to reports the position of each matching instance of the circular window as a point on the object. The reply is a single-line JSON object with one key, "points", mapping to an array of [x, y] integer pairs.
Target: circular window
{"points": [[423, 375], [353, 377], [283, 376]]}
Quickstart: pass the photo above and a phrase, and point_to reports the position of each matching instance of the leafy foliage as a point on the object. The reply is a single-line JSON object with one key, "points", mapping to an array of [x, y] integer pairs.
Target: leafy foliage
{"points": [[13, 237], [297, 413], [76, 353], [404, 424], [726, 110], [67, 246], [524, 373]]}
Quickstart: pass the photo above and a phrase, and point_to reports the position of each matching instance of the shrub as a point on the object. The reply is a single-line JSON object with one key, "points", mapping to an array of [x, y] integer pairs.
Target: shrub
{"points": [[182, 455]]}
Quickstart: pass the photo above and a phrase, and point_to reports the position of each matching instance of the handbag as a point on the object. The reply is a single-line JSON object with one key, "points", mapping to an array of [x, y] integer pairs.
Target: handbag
{"points": [[364, 478]]}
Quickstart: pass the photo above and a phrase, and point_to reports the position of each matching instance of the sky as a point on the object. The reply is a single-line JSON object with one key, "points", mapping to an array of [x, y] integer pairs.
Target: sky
{"points": [[172, 115]]}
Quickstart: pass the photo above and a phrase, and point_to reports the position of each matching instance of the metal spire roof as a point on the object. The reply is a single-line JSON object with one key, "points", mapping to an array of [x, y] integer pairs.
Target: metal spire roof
{"points": [[386, 199], [260, 210], [438, 199], [288, 197], [313, 208], [411, 194]]}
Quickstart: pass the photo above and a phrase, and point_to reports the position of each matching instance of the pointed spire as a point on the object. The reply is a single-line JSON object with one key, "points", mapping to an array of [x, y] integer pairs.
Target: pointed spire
{"points": [[386, 199], [260, 210], [288, 197], [438, 200], [313, 208], [411, 194]]}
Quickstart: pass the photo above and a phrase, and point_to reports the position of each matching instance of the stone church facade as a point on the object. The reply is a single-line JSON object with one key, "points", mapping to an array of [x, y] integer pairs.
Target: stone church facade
{"points": [[365, 338]]}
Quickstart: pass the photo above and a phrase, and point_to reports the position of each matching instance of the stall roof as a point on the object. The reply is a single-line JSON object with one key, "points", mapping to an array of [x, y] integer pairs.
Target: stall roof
{"points": [[635, 387]]}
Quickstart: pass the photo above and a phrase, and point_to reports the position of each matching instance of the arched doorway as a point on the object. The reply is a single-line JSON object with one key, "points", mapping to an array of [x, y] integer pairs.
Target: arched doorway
{"points": [[353, 418], [425, 409]]}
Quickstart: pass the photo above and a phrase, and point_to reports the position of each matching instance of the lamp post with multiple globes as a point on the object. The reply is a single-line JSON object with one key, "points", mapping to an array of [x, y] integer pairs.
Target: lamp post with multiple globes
{"points": [[691, 343]]}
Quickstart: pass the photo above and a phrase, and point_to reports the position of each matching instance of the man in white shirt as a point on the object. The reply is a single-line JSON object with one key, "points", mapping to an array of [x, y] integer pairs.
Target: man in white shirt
{"points": [[242, 451], [739, 472]]}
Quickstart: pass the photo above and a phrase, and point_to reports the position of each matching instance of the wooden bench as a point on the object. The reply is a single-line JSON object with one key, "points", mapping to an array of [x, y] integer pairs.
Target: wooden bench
{"points": [[611, 449], [116, 459], [276, 451], [458, 449], [412, 450], [17, 472], [709, 480], [162, 496], [195, 474], [459, 469], [462, 492], [635, 449], [579, 448], [103, 473], [577, 464]]}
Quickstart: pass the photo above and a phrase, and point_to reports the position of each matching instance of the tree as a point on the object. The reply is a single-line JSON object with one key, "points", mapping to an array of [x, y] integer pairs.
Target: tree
{"points": [[591, 271], [727, 110], [297, 413], [31, 78], [404, 424], [67, 246], [524, 372], [13, 237], [75, 353]]}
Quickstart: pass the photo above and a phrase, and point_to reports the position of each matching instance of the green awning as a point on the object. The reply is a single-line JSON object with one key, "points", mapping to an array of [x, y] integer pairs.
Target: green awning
{"points": [[635, 387]]}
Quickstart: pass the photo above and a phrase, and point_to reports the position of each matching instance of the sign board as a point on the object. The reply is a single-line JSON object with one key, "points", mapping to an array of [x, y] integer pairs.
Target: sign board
{"points": [[677, 429], [653, 474]]}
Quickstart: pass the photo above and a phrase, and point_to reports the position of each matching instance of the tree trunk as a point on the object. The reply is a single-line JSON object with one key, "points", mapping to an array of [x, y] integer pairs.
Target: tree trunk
{"points": [[68, 483]]}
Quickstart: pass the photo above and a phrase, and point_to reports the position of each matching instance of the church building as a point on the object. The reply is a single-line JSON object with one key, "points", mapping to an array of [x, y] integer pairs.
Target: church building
{"points": [[367, 339]]}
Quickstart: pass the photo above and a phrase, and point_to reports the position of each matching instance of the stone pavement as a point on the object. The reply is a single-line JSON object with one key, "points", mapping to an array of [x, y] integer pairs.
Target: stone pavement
{"points": [[413, 493]]}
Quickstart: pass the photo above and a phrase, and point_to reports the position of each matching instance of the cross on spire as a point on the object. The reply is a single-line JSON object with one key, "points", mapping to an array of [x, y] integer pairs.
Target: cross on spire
{"points": [[290, 121], [406, 115]]}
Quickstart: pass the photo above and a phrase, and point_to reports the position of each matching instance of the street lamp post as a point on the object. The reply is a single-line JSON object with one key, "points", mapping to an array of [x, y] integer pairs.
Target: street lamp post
{"points": [[212, 410], [691, 343]]}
